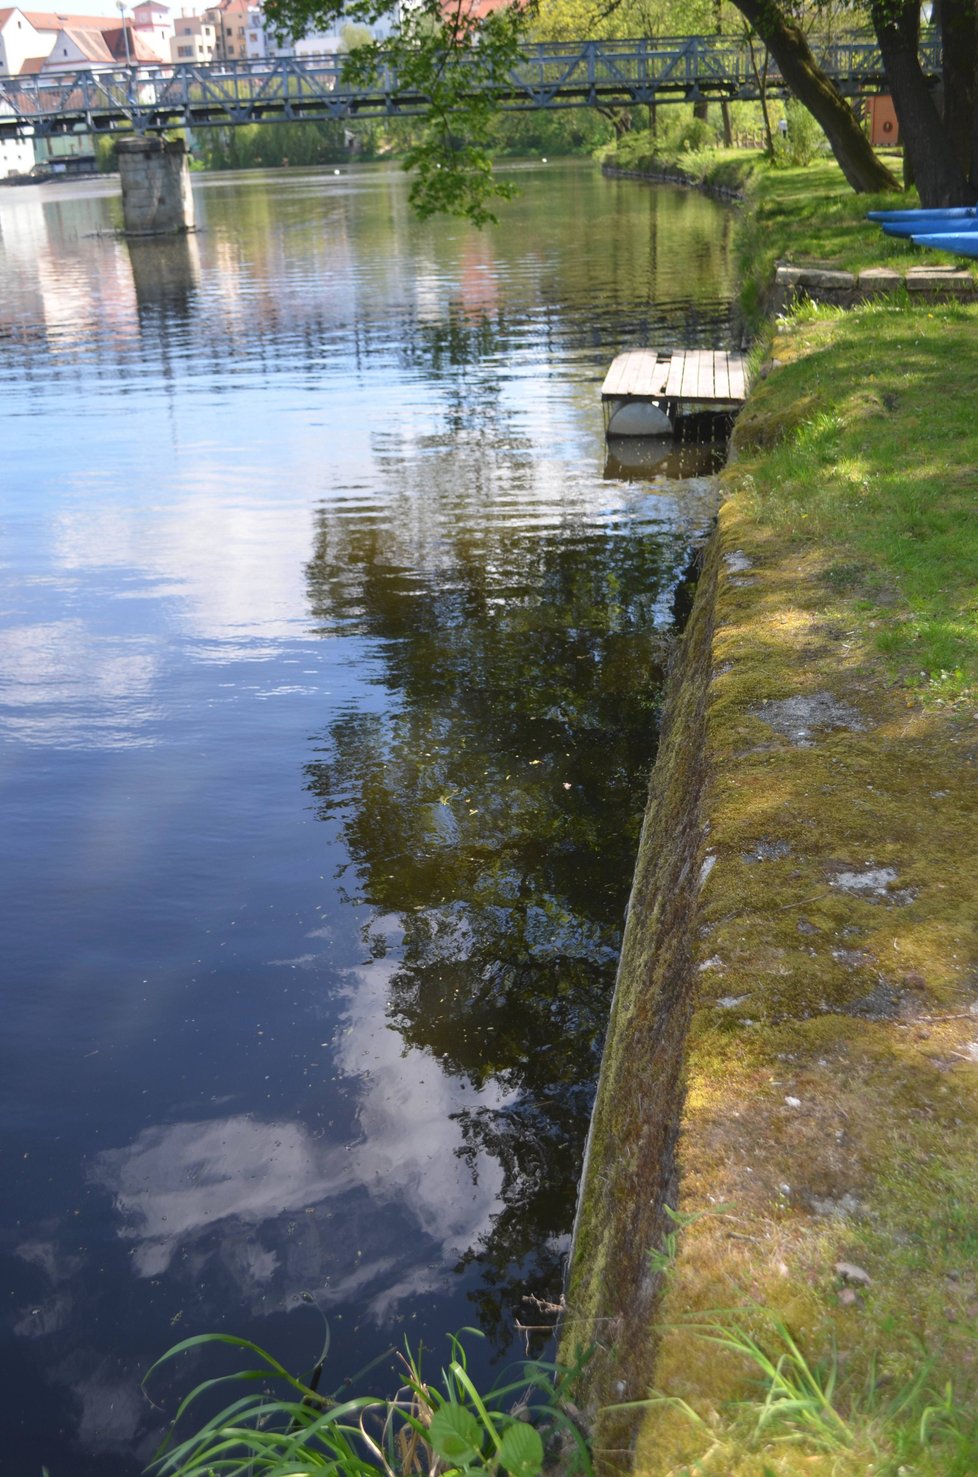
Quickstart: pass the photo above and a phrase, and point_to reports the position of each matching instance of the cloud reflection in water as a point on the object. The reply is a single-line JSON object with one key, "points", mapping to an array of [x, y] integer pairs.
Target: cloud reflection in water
{"points": [[229, 1188]]}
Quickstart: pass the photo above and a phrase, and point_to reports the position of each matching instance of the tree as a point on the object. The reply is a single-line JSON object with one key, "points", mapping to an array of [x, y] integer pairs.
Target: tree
{"points": [[958, 24], [787, 43], [937, 171], [941, 145]]}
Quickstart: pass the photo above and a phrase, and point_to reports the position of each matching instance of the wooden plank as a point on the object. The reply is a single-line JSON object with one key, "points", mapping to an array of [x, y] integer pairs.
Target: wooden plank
{"points": [[709, 376], [696, 374], [738, 377], [660, 378], [613, 378], [675, 378], [706, 376], [721, 375], [631, 373], [641, 363]]}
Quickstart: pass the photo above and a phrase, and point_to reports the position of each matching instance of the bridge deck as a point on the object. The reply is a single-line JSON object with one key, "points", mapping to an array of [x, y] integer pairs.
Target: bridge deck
{"points": [[564, 74], [709, 377]]}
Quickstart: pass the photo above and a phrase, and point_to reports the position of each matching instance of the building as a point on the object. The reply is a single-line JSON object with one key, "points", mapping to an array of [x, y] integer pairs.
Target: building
{"points": [[75, 47], [231, 24], [151, 18], [16, 154], [194, 37], [32, 41]]}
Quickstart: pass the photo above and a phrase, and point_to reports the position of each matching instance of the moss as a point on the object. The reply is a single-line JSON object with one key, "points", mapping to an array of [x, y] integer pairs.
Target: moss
{"points": [[611, 1292]]}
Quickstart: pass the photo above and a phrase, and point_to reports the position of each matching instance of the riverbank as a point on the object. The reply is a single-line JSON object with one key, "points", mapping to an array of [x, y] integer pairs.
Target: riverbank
{"points": [[793, 1053]]}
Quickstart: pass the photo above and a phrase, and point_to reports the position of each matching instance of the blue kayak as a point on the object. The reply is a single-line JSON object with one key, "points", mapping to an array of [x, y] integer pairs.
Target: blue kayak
{"points": [[961, 243], [947, 213], [934, 226]]}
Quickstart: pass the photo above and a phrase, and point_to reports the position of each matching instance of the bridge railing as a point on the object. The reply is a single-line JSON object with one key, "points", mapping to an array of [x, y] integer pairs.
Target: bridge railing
{"points": [[550, 75]]}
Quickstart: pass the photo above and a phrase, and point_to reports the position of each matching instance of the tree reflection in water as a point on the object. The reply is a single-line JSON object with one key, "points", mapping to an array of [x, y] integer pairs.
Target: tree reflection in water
{"points": [[492, 805]]}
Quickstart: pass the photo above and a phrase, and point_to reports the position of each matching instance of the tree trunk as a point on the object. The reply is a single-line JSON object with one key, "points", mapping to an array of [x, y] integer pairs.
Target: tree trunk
{"points": [[727, 125], [760, 77], [958, 22], [810, 86], [939, 176]]}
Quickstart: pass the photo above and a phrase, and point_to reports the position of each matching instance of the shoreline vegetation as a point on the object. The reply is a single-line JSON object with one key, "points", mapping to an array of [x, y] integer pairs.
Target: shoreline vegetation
{"points": [[792, 1059]]}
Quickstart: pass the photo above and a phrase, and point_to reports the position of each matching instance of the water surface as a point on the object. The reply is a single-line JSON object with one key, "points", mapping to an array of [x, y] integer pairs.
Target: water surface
{"points": [[331, 645]]}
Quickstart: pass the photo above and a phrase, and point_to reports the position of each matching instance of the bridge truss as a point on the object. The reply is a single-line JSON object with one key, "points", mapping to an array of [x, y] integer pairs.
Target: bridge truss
{"points": [[288, 89]]}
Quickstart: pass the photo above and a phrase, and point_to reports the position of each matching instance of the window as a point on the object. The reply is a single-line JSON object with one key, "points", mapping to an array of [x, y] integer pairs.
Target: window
{"points": [[185, 51]]}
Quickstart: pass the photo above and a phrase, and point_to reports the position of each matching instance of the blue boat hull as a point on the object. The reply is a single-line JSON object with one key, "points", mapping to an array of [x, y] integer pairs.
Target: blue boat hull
{"points": [[933, 227], [961, 243], [924, 214]]}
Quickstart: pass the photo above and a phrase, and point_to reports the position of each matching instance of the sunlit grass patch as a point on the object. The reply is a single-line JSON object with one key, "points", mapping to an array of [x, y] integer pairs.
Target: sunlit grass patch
{"points": [[868, 444], [824, 1414]]}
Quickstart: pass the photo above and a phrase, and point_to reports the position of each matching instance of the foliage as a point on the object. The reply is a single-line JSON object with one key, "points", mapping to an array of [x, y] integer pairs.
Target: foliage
{"points": [[424, 1428], [803, 140], [255, 146], [642, 149], [643, 152], [552, 134], [107, 161], [447, 55], [575, 20]]}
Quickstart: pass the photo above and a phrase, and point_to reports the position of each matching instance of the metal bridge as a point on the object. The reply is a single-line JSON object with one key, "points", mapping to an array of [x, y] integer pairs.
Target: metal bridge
{"points": [[560, 74]]}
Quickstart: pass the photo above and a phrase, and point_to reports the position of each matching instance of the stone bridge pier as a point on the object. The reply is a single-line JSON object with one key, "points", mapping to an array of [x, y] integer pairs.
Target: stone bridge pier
{"points": [[155, 176]]}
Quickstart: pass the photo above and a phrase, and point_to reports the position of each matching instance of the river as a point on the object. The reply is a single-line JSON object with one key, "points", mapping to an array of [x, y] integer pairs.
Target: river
{"points": [[331, 649]]}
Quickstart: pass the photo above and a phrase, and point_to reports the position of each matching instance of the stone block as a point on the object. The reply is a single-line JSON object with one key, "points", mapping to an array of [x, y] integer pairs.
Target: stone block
{"points": [[940, 281], [822, 279], [879, 279]]}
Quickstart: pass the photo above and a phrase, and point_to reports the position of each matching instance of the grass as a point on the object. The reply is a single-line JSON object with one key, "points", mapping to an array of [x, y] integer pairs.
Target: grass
{"points": [[810, 216], [286, 1428], [802, 1412], [864, 442]]}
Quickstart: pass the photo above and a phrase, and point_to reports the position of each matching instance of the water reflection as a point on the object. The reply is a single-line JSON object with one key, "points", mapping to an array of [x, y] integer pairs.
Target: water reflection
{"points": [[492, 806], [165, 272], [329, 666]]}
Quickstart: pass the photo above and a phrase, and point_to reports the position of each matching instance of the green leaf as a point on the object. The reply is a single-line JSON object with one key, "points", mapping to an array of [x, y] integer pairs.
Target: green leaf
{"points": [[521, 1452], [455, 1433]]}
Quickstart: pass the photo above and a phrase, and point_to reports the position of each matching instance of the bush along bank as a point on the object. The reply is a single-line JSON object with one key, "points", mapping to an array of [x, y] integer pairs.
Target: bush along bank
{"points": [[792, 1062], [686, 160]]}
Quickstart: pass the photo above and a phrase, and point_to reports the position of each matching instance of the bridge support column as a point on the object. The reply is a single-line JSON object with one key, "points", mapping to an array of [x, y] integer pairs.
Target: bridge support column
{"points": [[156, 195]]}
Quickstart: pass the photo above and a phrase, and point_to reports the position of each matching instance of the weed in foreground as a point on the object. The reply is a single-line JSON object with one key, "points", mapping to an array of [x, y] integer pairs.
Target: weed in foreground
{"points": [[820, 1412], [424, 1429]]}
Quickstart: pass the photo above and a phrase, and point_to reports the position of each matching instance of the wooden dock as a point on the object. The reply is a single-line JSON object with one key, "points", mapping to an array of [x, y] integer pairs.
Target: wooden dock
{"points": [[676, 381]]}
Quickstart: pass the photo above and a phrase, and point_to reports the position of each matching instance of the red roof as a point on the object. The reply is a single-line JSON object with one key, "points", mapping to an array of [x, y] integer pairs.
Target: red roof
{"points": [[49, 20]]}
